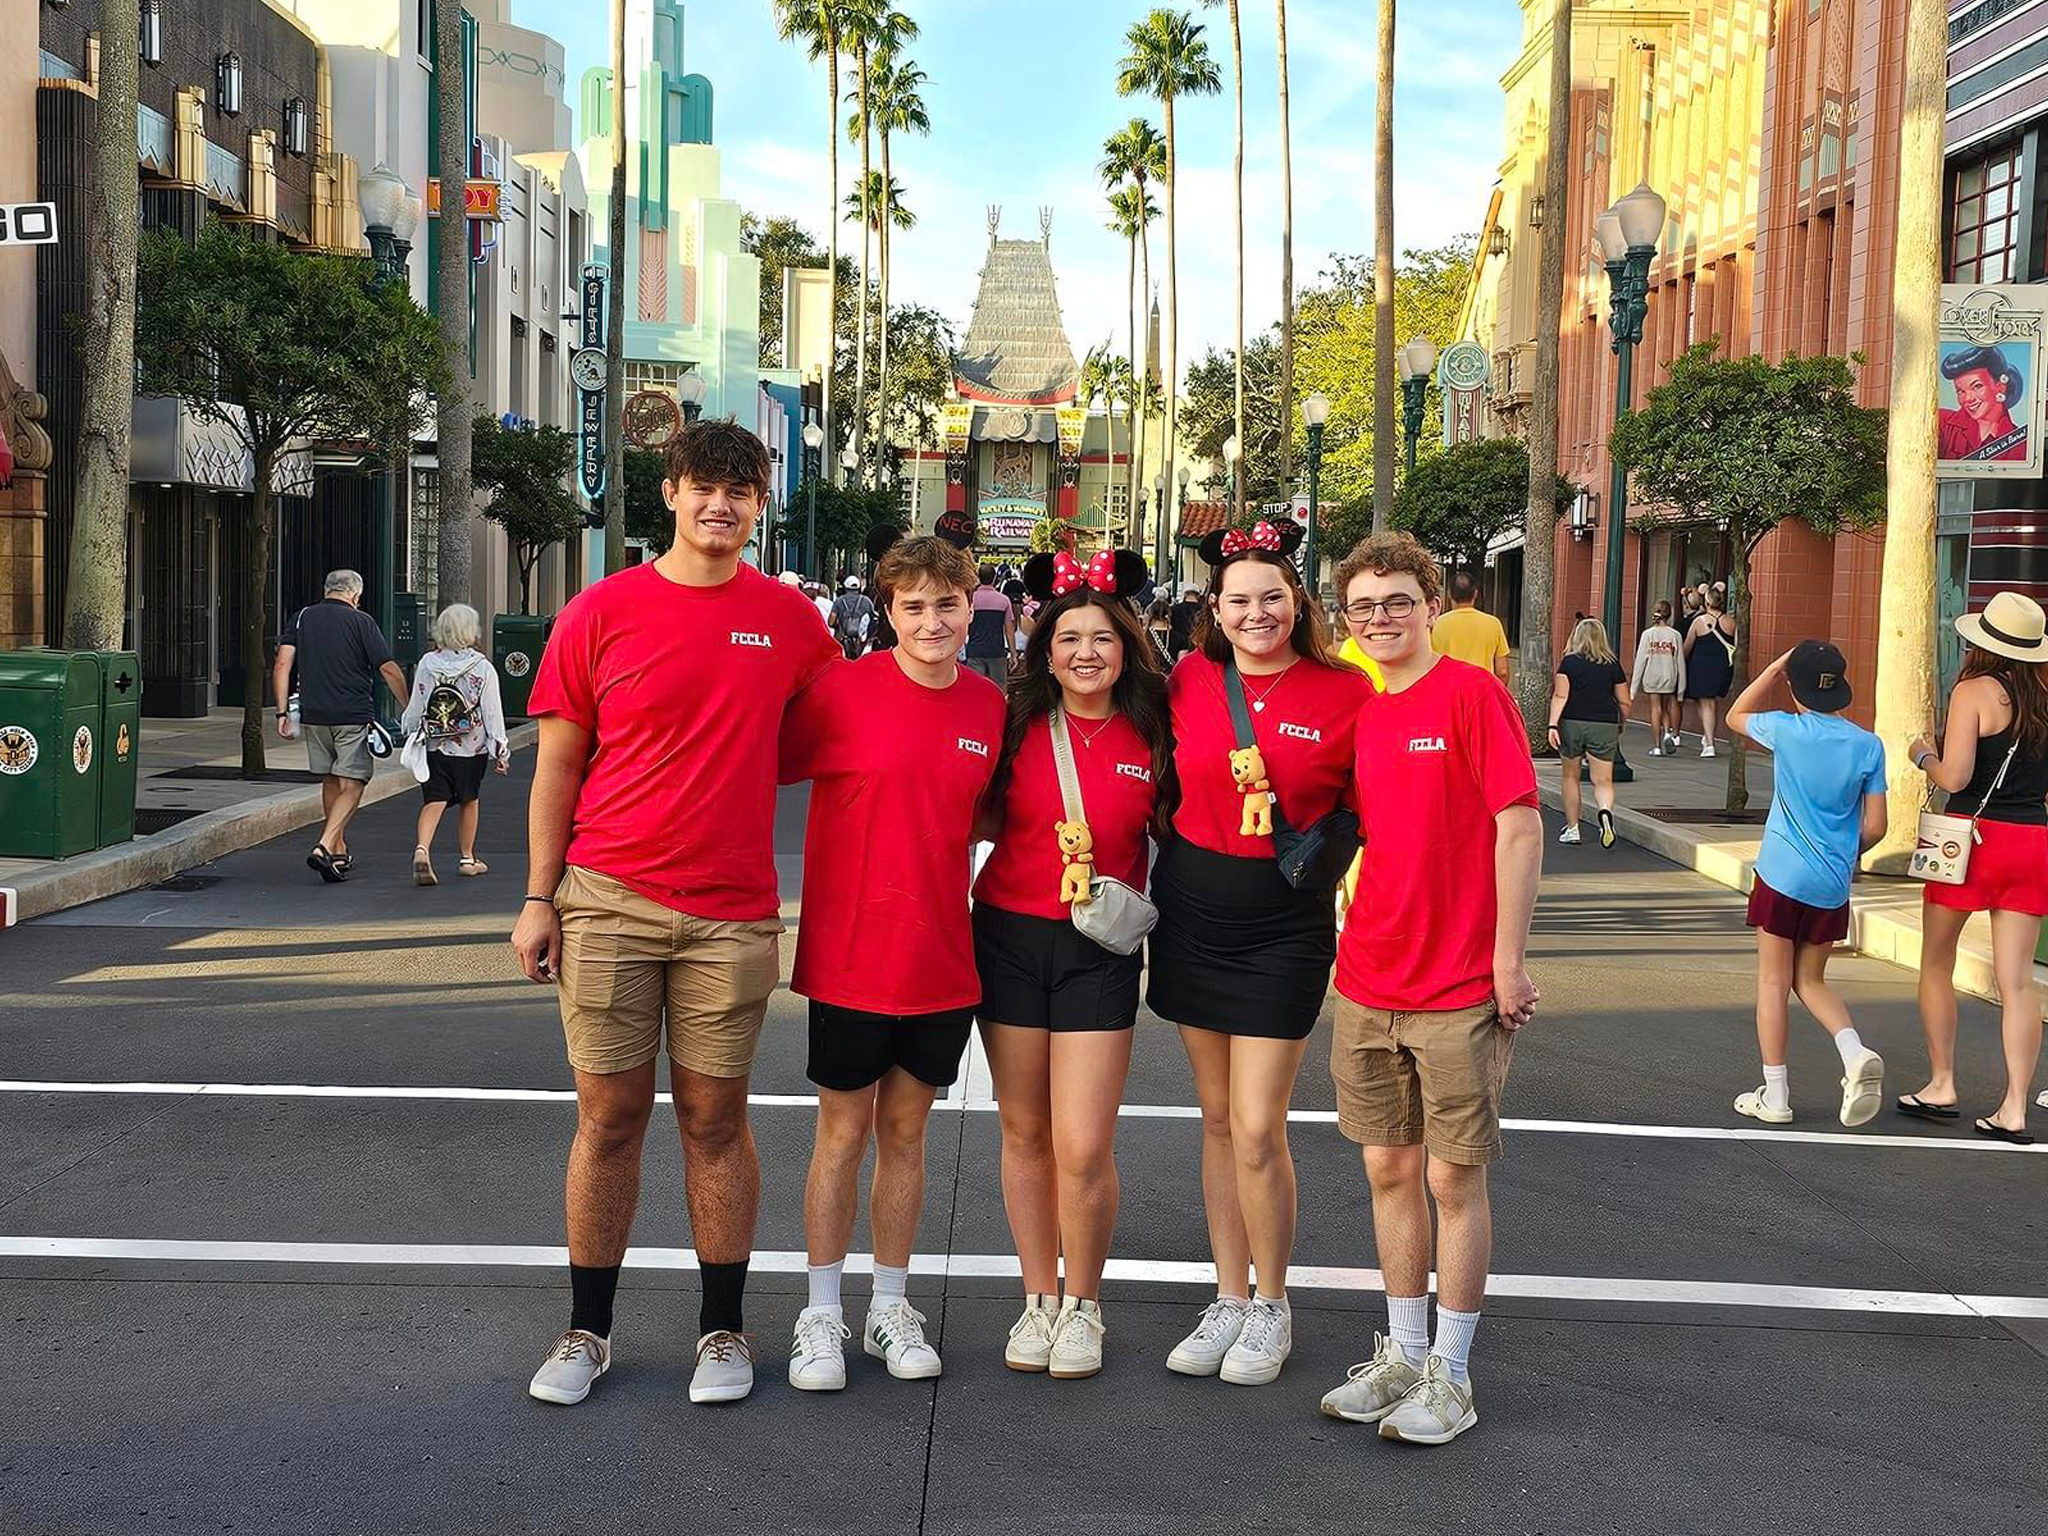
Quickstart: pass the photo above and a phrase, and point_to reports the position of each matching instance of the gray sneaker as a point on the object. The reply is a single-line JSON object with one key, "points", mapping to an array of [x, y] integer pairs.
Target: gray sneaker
{"points": [[725, 1368], [574, 1361], [1435, 1412], [1262, 1348], [1201, 1352], [1375, 1387]]}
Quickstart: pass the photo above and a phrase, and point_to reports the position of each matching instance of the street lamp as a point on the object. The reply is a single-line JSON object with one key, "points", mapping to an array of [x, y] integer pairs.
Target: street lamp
{"points": [[1159, 527], [1187, 473], [390, 215], [1418, 358], [1233, 457], [690, 391], [1315, 410], [814, 439], [380, 194]]}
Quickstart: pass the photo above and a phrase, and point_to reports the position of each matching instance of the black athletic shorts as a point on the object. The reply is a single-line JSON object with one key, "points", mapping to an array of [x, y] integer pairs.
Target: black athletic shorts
{"points": [[851, 1050], [453, 780], [1042, 973]]}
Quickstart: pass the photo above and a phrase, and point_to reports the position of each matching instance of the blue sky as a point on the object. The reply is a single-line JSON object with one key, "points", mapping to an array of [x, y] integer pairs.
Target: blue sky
{"points": [[1022, 95]]}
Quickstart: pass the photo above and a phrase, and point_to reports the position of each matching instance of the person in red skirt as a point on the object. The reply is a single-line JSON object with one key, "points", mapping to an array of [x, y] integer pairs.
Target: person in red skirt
{"points": [[1993, 761]]}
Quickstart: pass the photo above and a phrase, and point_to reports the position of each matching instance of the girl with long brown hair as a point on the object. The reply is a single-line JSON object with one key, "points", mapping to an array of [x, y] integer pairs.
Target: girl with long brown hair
{"points": [[1993, 761], [1057, 1008]]}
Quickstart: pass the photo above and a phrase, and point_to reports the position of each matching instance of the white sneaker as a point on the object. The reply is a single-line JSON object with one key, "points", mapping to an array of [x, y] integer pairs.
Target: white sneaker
{"points": [[1570, 835], [1758, 1107], [1077, 1340], [725, 1368], [1863, 1089], [1671, 743], [817, 1362], [1030, 1346], [574, 1362], [895, 1336], [1657, 751], [1201, 1352], [1436, 1410], [1707, 750], [1373, 1388], [1263, 1347]]}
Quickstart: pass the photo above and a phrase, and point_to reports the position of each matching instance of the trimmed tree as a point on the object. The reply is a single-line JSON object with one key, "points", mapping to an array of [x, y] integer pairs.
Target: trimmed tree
{"points": [[1744, 444], [280, 349], [648, 518], [1460, 500], [524, 473]]}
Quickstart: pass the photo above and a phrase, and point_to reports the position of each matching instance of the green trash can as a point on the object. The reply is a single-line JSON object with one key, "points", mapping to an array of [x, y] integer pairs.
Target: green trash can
{"points": [[517, 640], [120, 743], [408, 630], [50, 753]]}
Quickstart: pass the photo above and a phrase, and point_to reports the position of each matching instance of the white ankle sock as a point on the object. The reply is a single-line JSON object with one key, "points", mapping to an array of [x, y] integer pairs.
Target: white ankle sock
{"points": [[1851, 1045], [1777, 1087], [1408, 1326], [825, 1284], [1453, 1345], [892, 1281]]}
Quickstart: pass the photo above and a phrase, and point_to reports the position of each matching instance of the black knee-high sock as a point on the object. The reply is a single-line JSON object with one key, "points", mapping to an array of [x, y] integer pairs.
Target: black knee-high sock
{"points": [[591, 1289], [725, 1287]]}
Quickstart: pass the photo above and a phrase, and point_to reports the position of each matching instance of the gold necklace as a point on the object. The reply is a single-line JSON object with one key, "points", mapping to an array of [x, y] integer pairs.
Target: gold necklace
{"points": [[1088, 737]]}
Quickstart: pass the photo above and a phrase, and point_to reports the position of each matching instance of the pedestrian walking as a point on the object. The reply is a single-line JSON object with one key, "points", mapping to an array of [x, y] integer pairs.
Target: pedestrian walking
{"points": [[651, 892], [1827, 808], [991, 639], [1241, 957], [820, 599], [851, 616], [1709, 655], [1468, 634], [1659, 676], [1993, 761], [340, 654], [1432, 984], [1180, 624], [900, 746], [1021, 605], [1159, 628], [1588, 701], [459, 717], [1085, 775]]}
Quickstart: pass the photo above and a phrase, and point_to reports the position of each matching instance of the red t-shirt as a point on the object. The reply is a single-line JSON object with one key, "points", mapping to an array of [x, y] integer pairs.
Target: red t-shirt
{"points": [[899, 769], [1303, 733], [1114, 767], [1436, 763], [682, 689]]}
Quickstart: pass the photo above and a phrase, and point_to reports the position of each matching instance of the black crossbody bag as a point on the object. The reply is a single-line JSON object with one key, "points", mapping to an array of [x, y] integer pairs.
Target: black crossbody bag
{"points": [[1311, 859]]}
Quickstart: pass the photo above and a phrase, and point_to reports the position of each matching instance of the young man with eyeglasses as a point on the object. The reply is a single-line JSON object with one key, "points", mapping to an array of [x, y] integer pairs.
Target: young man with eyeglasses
{"points": [[1432, 981]]}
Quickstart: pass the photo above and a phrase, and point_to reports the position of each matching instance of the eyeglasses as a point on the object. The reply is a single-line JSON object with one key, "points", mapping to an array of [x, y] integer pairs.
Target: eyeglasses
{"points": [[1399, 606]]}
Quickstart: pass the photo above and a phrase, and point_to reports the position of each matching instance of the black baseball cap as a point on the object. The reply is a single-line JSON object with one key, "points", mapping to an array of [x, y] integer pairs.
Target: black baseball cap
{"points": [[1819, 677]]}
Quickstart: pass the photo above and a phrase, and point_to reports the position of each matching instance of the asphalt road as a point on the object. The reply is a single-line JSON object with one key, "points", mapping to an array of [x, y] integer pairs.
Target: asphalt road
{"points": [[280, 1182]]}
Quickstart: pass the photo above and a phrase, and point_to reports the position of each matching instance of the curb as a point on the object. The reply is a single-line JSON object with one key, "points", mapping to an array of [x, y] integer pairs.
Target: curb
{"points": [[1875, 928], [210, 835]]}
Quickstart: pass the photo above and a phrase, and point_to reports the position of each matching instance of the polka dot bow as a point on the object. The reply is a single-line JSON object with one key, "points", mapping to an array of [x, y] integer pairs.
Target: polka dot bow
{"points": [[1260, 535], [1070, 575]]}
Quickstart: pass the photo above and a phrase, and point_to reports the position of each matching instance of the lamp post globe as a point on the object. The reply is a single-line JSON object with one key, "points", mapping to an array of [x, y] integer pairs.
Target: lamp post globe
{"points": [[390, 215], [814, 439], [1315, 411], [1417, 358], [690, 392], [381, 196]]}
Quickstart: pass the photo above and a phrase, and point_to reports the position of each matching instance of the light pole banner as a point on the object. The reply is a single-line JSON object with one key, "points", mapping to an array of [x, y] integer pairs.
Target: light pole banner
{"points": [[1461, 374], [587, 368], [1990, 359]]}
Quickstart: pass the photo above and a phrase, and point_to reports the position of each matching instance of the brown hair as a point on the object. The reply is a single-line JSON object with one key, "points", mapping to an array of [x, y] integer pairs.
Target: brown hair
{"points": [[1389, 554], [716, 453], [1311, 635], [914, 562], [2025, 684]]}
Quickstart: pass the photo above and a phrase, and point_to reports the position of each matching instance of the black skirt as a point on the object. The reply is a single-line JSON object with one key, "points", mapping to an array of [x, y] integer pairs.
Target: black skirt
{"points": [[1238, 950]]}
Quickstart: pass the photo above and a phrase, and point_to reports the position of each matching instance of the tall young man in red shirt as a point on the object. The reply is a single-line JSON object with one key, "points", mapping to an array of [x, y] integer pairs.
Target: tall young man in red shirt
{"points": [[900, 745], [1432, 981], [651, 895]]}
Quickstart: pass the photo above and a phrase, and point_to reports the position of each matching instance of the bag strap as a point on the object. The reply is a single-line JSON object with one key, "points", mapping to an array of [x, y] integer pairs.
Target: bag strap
{"points": [[1241, 722], [1063, 761], [1978, 814]]}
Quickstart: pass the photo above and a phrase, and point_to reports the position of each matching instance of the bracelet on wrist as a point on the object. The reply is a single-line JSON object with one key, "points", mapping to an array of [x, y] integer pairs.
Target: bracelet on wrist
{"points": [[548, 899]]}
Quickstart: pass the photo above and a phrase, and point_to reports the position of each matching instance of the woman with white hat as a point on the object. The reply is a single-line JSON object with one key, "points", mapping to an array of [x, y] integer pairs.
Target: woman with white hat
{"points": [[1993, 761]]}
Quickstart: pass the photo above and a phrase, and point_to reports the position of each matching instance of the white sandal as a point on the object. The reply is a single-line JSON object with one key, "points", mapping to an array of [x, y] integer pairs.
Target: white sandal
{"points": [[471, 866], [422, 866]]}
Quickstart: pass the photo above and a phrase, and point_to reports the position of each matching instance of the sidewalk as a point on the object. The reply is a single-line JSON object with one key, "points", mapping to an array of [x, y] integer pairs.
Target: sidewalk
{"points": [[191, 806], [1672, 807]]}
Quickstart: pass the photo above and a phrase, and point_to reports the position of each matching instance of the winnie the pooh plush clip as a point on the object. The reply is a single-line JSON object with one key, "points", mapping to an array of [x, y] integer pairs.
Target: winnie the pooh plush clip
{"points": [[1248, 769], [1077, 858]]}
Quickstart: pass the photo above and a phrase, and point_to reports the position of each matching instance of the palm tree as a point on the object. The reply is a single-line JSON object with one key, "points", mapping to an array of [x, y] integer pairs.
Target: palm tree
{"points": [[1237, 214], [1136, 153], [1383, 277], [1130, 212], [878, 208], [1286, 264], [1168, 60], [875, 30], [821, 26], [898, 107]]}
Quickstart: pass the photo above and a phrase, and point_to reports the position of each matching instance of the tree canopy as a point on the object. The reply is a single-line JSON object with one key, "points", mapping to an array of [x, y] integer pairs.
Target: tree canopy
{"points": [[648, 517], [525, 474], [1460, 500]]}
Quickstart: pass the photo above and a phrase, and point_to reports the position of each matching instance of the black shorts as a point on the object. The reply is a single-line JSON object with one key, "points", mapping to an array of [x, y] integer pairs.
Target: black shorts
{"points": [[1044, 973], [453, 780], [851, 1050]]}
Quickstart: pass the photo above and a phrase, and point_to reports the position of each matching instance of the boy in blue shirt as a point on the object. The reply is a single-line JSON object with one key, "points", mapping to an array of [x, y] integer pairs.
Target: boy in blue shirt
{"points": [[1829, 807]]}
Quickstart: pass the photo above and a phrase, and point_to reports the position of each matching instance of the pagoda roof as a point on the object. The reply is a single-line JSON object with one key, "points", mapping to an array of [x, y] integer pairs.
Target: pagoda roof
{"points": [[1016, 351]]}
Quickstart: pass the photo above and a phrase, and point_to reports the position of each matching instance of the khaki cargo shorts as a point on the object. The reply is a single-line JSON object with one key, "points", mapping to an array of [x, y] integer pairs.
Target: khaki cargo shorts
{"points": [[342, 750], [1432, 1078], [629, 964]]}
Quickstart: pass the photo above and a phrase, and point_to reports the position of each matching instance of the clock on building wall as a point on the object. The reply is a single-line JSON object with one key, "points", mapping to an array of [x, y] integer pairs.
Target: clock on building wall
{"points": [[586, 368]]}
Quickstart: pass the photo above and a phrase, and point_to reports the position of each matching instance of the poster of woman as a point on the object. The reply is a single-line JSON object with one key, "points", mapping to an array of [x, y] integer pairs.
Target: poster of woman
{"points": [[1990, 414]]}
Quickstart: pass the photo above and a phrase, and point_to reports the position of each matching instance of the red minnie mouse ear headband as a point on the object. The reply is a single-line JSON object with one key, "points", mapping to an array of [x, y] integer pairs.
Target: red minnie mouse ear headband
{"points": [[1260, 538], [1112, 572]]}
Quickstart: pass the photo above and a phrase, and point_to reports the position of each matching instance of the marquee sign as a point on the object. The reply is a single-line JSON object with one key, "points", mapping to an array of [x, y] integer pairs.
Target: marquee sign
{"points": [[481, 200], [28, 223]]}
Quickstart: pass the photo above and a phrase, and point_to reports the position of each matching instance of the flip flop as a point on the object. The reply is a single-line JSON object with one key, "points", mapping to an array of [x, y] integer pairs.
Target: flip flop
{"points": [[1997, 1132], [1912, 1104]]}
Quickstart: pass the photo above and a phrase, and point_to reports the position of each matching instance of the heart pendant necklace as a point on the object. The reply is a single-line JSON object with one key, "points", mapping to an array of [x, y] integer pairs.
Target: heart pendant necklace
{"points": [[1259, 699]]}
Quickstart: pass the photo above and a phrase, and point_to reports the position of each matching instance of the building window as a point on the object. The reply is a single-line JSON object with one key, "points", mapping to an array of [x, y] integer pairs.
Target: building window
{"points": [[1117, 511], [1984, 217], [661, 376], [426, 535], [909, 494]]}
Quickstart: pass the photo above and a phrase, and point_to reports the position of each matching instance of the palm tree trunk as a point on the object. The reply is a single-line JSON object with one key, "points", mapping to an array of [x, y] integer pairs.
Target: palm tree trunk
{"points": [[1383, 446], [1286, 266], [1539, 542], [828, 452], [1145, 365], [615, 315], [882, 350], [1132, 399], [451, 256], [258, 538], [96, 590], [1170, 366], [1237, 209], [867, 218], [1907, 616]]}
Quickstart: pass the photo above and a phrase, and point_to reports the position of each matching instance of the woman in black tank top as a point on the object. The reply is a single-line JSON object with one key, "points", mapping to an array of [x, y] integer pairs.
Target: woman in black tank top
{"points": [[1993, 761]]}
